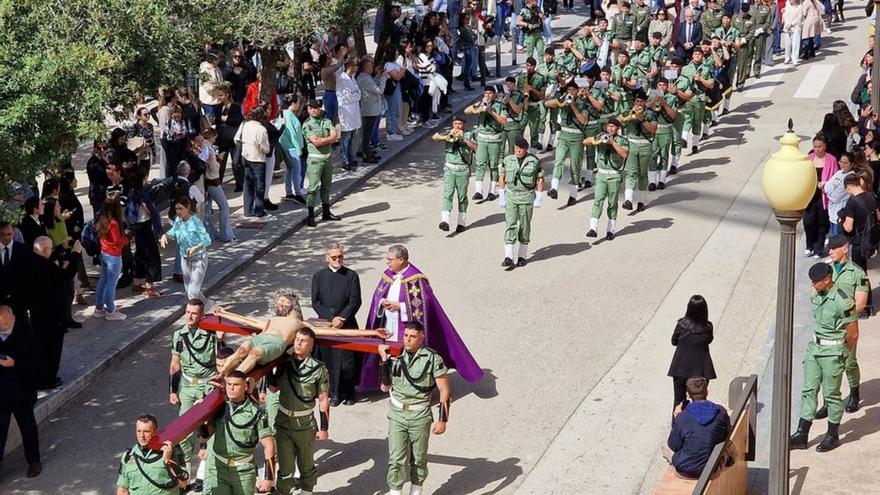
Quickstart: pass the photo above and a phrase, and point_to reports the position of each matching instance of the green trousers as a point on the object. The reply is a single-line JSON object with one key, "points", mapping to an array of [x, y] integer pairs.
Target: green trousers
{"points": [[760, 43], [272, 406], [518, 218], [319, 172], [455, 181], [637, 164], [573, 149], [188, 395], [743, 63], [295, 442], [535, 122], [553, 113], [607, 187], [853, 375], [825, 371], [408, 434], [535, 42], [225, 480], [693, 117], [510, 136], [591, 131], [663, 143], [488, 156]]}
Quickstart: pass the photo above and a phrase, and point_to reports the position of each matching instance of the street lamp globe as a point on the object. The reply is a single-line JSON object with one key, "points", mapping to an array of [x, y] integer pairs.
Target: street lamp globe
{"points": [[789, 179]]}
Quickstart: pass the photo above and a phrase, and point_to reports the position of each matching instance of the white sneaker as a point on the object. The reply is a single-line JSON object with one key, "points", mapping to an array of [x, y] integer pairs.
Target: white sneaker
{"points": [[406, 132], [116, 316], [395, 137], [99, 313]]}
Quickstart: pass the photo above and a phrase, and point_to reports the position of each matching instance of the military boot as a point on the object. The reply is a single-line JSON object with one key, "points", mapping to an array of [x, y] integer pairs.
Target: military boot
{"points": [[310, 220], [831, 440], [852, 405], [799, 440], [822, 413]]}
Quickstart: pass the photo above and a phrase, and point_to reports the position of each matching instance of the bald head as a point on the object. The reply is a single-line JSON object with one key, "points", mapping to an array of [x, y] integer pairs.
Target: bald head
{"points": [[43, 246], [7, 319]]}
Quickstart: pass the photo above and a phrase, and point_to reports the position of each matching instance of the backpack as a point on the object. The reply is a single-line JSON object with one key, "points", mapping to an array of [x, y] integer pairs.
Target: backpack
{"points": [[89, 239], [160, 192]]}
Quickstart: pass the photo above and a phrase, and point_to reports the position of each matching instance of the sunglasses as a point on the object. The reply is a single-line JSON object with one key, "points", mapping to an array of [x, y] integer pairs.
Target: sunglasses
{"points": [[101, 148], [336, 258]]}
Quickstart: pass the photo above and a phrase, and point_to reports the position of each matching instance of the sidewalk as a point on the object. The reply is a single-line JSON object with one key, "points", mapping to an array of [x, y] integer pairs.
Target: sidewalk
{"points": [[93, 349]]}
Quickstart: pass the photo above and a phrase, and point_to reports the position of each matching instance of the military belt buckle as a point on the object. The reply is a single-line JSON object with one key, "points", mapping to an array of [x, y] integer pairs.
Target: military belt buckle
{"points": [[231, 463]]}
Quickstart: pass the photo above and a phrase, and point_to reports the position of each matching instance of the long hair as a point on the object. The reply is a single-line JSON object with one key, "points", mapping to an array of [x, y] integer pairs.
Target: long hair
{"points": [[844, 116], [48, 217], [110, 210], [696, 317]]}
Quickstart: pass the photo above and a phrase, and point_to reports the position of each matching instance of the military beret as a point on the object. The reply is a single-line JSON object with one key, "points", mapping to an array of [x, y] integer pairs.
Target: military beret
{"points": [[606, 70], [313, 103], [640, 94], [491, 88], [521, 143], [571, 84], [745, 7], [676, 61], [820, 271], [615, 122], [837, 241], [510, 79]]}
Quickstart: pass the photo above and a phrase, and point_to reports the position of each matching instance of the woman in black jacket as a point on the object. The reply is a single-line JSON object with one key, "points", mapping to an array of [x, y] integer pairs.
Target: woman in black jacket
{"points": [[691, 338], [835, 135]]}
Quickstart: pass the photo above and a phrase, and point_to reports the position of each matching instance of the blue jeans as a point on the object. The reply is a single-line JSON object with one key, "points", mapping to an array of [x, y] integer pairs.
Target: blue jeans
{"points": [[105, 294], [470, 64], [346, 148], [215, 194], [835, 229], [292, 172], [548, 31], [393, 118], [777, 36], [254, 188], [331, 105]]}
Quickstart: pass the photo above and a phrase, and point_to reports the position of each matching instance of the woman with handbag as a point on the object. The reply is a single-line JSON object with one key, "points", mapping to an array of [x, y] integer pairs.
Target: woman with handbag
{"points": [[146, 224], [203, 145], [691, 338], [141, 139]]}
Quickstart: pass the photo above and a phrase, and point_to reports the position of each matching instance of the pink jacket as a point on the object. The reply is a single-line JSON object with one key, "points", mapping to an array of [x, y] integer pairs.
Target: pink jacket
{"points": [[812, 23], [828, 171]]}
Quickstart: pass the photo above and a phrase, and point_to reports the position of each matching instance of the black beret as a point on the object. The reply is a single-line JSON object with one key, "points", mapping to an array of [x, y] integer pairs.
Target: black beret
{"points": [[820, 271]]}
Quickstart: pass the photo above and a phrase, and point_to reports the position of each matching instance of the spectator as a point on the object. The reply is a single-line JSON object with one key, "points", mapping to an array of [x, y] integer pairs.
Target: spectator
{"points": [[210, 77], [690, 34], [393, 72], [696, 6], [816, 214], [836, 193], [30, 226], [145, 223], [228, 121], [183, 188], [811, 23], [292, 145], [274, 134], [142, 135], [17, 371], [371, 107], [175, 140], [75, 223], [349, 96], [467, 39], [854, 218], [433, 85], [53, 269], [792, 22], [662, 25], [192, 244], [53, 220], [191, 113], [96, 169], [118, 151], [835, 135], [330, 67], [113, 240], [253, 98], [692, 335], [254, 142], [15, 272], [239, 73], [204, 146], [51, 188], [696, 428]]}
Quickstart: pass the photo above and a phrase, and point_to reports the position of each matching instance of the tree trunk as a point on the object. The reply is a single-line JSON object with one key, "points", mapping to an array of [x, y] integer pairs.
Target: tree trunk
{"points": [[386, 28], [270, 57], [360, 43]]}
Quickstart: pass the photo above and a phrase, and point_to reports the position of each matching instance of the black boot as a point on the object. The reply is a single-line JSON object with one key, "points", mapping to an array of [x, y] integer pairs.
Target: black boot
{"points": [[310, 220], [852, 405], [627, 205], [799, 440], [326, 215], [831, 440], [822, 413]]}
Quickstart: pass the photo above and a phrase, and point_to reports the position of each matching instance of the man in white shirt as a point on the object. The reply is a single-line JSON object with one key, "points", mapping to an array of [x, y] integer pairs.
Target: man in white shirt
{"points": [[349, 95]]}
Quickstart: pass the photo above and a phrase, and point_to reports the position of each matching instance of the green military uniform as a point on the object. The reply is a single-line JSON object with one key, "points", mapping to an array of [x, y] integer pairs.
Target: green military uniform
{"points": [[609, 165], [731, 34], [413, 379], [570, 145], [549, 71], [622, 32], [708, 115], [567, 63], [641, 62], [642, 14], [456, 175], [684, 120], [746, 26], [143, 471], [763, 15], [710, 19], [237, 432], [850, 278], [587, 46], [520, 179], [666, 139], [641, 154], [696, 107], [534, 32], [826, 355], [299, 385], [592, 129], [319, 171], [490, 140], [658, 55], [516, 122], [197, 350], [535, 111]]}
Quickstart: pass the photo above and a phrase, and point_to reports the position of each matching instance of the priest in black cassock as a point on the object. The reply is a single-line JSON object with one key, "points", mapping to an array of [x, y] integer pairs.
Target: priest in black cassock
{"points": [[336, 297]]}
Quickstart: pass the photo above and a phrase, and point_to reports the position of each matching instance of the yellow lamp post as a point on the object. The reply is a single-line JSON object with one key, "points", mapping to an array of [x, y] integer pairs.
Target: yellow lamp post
{"points": [[789, 182]]}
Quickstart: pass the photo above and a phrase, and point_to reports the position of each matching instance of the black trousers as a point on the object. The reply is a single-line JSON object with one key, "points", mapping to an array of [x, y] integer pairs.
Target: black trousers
{"points": [[50, 343], [816, 225], [678, 390], [367, 125], [343, 367], [27, 424], [147, 263]]}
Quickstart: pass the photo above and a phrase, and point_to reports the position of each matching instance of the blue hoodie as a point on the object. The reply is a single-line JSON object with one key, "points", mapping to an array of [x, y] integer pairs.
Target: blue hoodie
{"points": [[695, 432]]}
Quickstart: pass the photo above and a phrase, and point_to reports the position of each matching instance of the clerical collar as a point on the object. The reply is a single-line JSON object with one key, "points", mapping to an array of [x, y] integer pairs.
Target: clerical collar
{"points": [[334, 270], [400, 273]]}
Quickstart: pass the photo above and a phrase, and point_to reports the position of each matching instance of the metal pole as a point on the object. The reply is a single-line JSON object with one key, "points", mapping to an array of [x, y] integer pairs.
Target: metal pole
{"points": [[499, 32], [875, 68], [780, 422]]}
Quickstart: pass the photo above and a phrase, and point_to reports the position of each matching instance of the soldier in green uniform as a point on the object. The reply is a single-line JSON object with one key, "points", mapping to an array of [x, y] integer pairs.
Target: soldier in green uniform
{"points": [[491, 119], [591, 40], [410, 380], [763, 30], [666, 136], [234, 434], [746, 25], [573, 116], [146, 471], [623, 30], [640, 59], [642, 13], [624, 75], [850, 278], [567, 60], [639, 127], [555, 80], [730, 37], [532, 83], [319, 133], [711, 18], [301, 382], [701, 80], [682, 88], [193, 353], [595, 99], [611, 153], [836, 335], [460, 148], [531, 20], [514, 100], [658, 56], [522, 186]]}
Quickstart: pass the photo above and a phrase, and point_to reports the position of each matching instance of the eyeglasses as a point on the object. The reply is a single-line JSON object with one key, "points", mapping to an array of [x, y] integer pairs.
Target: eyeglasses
{"points": [[336, 258], [101, 148]]}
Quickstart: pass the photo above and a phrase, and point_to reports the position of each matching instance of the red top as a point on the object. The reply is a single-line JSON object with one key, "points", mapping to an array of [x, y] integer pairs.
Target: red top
{"points": [[114, 241], [253, 98]]}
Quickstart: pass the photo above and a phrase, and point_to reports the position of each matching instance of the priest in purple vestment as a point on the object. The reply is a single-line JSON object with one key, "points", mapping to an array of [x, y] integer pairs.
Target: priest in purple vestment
{"points": [[404, 294]]}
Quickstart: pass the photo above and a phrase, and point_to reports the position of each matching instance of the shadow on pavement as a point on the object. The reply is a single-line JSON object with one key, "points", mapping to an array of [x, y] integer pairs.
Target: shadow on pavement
{"points": [[675, 197], [799, 476], [556, 250], [486, 388], [643, 225], [487, 221], [703, 162], [373, 208], [691, 178]]}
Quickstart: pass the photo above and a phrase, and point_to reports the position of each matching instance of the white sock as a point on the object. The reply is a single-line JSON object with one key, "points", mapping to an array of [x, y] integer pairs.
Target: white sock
{"points": [[640, 196], [462, 218], [508, 251], [493, 189], [552, 140], [652, 176], [523, 250], [611, 225], [395, 492], [594, 223], [628, 195], [715, 115], [573, 191], [663, 176], [727, 104], [675, 159], [444, 216], [697, 138], [305, 492], [685, 136], [200, 472], [554, 184], [478, 186], [415, 490]]}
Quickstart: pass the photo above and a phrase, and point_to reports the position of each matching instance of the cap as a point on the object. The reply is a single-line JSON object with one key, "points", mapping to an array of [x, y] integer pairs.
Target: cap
{"points": [[838, 241], [819, 271], [313, 104], [745, 7], [510, 79], [521, 143], [615, 122]]}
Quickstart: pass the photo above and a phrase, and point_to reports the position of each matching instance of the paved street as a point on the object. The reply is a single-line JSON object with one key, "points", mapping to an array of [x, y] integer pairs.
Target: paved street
{"points": [[575, 345]]}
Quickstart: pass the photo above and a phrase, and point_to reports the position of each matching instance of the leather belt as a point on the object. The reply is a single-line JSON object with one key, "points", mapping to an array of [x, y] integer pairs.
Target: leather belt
{"points": [[830, 342], [234, 462], [606, 171], [407, 407], [192, 380], [295, 414], [456, 166]]}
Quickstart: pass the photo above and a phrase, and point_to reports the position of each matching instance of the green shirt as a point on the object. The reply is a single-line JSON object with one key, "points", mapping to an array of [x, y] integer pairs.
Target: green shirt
{"points": [[457, 152], [531, 18], [607, 157], [486, 123], [684, 83], [832, 311], [851, 278], [536, 80], [414, 375], [587, 46], [568, 120], [624, 27], [763, 16], [635, 129], [142, 471], [299, 385], [746, 26], [641, 60], [731, 33], [521, 176], [658, 55], [321, 127], [197, 350], [642, 13], [238, 430], [567, 62], [691, 70], [515, 120]]}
